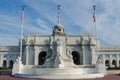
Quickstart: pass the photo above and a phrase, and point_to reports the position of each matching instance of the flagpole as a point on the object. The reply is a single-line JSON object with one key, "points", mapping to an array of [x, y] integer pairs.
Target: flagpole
{"points": [[59, 13], [94, 17], [22, 25]]}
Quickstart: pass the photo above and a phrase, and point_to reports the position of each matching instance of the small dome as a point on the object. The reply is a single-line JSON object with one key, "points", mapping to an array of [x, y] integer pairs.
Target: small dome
{"points": [[58, 29], [58, 26]]}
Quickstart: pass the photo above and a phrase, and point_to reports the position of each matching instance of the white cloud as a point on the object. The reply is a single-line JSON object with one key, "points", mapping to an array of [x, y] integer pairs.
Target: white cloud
{"points": [[43, 25], [9, 23], [80, 12], [108, 22], [76, 15], [8, 41], [10, 27], [44, 8]]}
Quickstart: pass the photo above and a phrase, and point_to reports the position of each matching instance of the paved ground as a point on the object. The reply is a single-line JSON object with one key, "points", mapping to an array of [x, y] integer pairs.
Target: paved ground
{"points": [[6, 76], [108, 77]]}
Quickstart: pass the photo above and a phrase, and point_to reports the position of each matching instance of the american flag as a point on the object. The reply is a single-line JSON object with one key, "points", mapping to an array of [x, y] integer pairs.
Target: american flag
{"points": [[58, 17], [59, 13], [22, 18], [22, 15], [94, 16]]}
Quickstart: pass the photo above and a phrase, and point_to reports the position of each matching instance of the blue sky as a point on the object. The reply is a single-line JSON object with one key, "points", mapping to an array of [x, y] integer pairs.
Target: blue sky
{"points": [[76, 17]]}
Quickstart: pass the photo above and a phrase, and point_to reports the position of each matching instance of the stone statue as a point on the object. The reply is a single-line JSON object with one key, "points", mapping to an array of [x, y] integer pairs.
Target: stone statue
{"points": [[48, 59], [69, 54], [100, 59], [59, 52], [50, 53], [18, 61]]}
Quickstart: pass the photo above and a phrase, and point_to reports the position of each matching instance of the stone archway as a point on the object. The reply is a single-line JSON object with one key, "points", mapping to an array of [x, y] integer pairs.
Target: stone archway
{"points": [[76, 57], [114, 63], [107, 62], [4, 63], [11, 64], [41, 57], [119, 63]]}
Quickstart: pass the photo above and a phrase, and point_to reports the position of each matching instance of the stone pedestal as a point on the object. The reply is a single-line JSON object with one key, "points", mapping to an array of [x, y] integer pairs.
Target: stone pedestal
{"points": [[101, 68], [17, 67]]}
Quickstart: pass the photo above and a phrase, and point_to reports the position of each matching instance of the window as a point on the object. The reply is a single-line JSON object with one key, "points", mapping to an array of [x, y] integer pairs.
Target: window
{"points": [[59, 29], [119, 63], [114, 62], [4, 63], [11, 64], [41, 57], [107, 63], [76, 57]]}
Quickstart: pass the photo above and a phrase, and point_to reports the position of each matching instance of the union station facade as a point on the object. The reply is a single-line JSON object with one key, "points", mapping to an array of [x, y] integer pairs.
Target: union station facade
{"points": [[75, 47]]}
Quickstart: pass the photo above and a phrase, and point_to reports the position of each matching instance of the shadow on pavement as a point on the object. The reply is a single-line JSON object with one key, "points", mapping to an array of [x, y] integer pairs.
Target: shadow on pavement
{"points": [[6, 72]]}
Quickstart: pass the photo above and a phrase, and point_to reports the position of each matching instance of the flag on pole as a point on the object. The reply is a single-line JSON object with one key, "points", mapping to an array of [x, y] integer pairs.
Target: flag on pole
{"points": [[58, 17], [22, 15], [59, 13], [94, 15], [22, 19]]}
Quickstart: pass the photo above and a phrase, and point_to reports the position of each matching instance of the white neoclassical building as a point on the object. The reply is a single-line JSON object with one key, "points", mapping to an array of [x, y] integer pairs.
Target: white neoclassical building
{"points": [[8, 55], [60, 54], [35, 46], [110, 55]]}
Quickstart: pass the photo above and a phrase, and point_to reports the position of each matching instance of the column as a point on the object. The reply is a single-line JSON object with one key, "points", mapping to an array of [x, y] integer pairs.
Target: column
{"points": [[35, 56], [110, 60], [117, 60], [92, 55], [7, 63], [27, 48], [83, 55], [0, 60], [103, 59]]}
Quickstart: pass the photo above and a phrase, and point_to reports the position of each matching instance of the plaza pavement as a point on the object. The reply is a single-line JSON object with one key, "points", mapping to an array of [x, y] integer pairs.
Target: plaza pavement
{"points": [[6, 75], [107, 77]]}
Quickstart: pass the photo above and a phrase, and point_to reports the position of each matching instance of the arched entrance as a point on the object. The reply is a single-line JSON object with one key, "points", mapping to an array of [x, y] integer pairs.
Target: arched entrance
{"points": [[4, 63], [76, 57], [114, 62], [11, 64], [41, 57], [107, 63], [119, 63]]}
